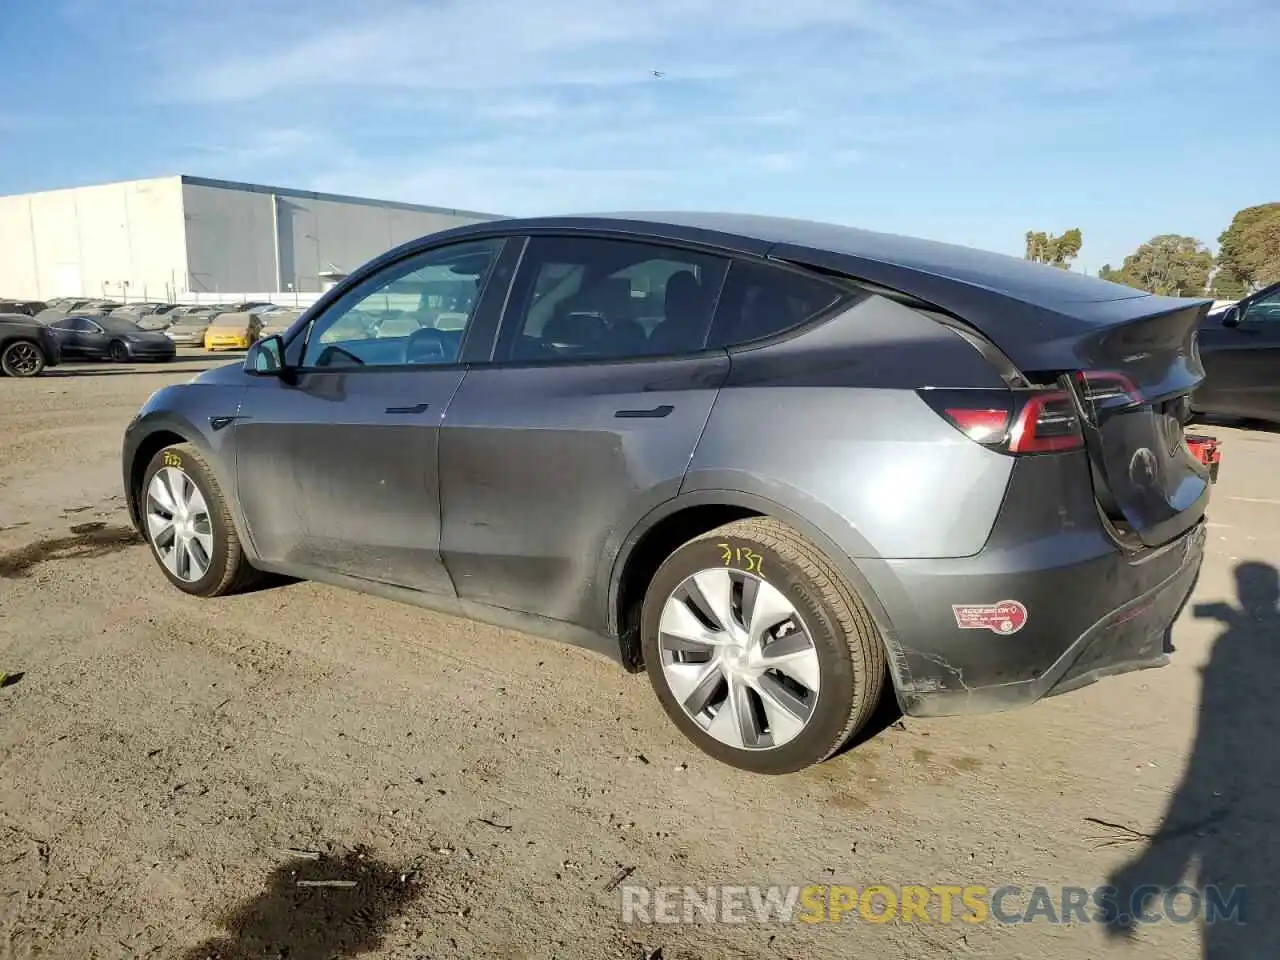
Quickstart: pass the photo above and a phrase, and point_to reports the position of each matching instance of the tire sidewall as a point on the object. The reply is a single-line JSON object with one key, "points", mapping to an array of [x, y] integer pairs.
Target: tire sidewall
{"points": [[181, 458], [4, 359], [836, 691]]}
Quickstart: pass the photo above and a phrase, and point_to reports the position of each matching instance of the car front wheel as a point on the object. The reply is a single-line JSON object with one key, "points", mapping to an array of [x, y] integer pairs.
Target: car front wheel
{"points": [[758, 650], [189, 526], [118, 351]]}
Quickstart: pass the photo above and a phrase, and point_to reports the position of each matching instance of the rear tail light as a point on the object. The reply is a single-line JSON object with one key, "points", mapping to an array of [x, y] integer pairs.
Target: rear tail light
{"points": [[988, 426], [1047, 423], [1016, 422], [1103, 387]]}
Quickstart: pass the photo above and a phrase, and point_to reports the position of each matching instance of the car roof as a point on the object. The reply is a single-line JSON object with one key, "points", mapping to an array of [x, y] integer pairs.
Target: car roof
{"points": [[751, 233]]}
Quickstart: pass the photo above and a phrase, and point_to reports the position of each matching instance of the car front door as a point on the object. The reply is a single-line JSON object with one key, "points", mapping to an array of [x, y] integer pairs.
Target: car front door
{"points": [[76, 338], [584, 421], [336, 460], [1242, 362]]}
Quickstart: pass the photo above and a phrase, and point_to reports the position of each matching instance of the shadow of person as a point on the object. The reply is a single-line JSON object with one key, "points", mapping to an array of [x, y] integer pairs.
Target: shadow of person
{"points": [[299, 916], [1221, 831]]}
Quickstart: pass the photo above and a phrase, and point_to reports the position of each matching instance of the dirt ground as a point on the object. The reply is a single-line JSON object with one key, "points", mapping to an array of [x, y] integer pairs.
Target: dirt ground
{"points": [[170, 768]]}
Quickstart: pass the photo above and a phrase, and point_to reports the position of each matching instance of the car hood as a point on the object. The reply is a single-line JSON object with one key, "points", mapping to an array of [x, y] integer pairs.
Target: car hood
{"points": [[228, 373], [147, 336]]}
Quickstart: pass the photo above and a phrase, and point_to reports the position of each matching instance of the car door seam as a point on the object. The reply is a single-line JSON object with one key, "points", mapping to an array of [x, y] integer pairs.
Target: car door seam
{"points": [[693, 450], [439, 485]]}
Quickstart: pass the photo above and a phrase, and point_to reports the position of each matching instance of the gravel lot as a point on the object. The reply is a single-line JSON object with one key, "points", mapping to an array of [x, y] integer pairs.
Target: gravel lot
{"points": [[169, 767]]}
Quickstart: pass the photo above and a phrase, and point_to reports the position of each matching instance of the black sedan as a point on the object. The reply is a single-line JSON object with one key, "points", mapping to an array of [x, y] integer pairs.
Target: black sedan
{"points": [[1240, 348], [26, 347], [110, 338]]}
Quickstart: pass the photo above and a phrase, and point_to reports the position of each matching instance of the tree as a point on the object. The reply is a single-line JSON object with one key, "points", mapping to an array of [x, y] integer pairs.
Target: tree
{"points": [[1169, 264], [1107, 272], [1225, 286], [1249, 249], [1058, 251]]}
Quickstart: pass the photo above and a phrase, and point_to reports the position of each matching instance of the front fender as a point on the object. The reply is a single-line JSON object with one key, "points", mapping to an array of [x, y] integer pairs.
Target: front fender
{"points": [[194, 413]]}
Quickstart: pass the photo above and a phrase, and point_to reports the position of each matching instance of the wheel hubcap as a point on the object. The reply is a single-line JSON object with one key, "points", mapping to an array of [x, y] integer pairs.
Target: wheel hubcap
{"points": [[739, 659], [178, 524], [23, 358]]}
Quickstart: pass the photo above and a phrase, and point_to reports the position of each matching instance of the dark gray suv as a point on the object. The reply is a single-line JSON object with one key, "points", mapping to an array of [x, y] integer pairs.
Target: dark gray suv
{"points": [[775, 463]]}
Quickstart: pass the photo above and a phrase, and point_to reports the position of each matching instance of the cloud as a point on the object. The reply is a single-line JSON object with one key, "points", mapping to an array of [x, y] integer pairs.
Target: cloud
{"points": [[822, 107]]}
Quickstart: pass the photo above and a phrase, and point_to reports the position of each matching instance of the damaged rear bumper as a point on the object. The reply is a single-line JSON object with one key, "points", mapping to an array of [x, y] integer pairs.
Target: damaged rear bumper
{"points": [[1071, 626]]}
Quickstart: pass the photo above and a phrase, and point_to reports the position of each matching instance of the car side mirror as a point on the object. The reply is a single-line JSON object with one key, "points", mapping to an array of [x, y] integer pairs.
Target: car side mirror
{"points": [[266, 357], [1231, 318]]}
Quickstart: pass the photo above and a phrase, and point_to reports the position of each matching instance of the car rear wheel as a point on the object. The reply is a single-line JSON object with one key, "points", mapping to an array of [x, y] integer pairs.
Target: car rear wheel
{"points": [[22, 358], [118, 351], [189, 526], [758, 650]]}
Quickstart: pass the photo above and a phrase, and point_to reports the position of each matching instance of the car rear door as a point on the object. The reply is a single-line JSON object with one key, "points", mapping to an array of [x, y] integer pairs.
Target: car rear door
{"points": [[1242, 362], [585, 420], [336, 462]]}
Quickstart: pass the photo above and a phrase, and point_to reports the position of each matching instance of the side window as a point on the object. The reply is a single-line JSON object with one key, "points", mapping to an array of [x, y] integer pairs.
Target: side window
{"points": [[74, 325], [760, 301], [415, 311], [593, 299], [1266, 309]]}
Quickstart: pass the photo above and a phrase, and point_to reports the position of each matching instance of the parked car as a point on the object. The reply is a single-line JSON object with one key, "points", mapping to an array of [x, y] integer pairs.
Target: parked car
{"points": [[232, 331], [1240, 350], [135, 311], [773, 463], [276, 320], [188, 328], [102, 337], [26, 346], [26, 307], [156, 322], [84, 308]]}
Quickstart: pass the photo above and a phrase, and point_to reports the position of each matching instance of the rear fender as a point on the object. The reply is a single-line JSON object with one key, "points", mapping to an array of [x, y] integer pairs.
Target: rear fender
{"points": [[863, 575]]}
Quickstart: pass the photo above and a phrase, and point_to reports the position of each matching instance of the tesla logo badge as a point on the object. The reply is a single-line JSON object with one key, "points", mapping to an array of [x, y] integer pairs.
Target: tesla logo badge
{"points": [[1005, 617], [1142, 468]]}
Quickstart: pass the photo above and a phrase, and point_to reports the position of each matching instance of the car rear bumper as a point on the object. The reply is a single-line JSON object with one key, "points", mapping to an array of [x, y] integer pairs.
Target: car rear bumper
{"points": [[226, 343], [1051, 604]]}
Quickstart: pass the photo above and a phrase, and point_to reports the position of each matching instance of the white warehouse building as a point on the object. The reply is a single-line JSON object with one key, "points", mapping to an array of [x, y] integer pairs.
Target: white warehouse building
{"points": [[169, 237]]}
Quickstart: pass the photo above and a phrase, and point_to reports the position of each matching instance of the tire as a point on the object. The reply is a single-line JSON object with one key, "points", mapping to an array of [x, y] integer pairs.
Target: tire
{"points": [[118, 352], [22, 358], [228, 569], [844, 648]]}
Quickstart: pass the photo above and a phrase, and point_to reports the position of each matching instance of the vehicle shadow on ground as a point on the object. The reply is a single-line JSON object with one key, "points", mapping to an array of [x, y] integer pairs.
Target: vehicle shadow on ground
{"points": [[1222, 827], [314, 909]]}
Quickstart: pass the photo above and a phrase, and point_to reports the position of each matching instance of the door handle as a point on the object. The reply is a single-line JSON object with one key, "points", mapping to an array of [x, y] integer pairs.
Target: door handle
{"points": [[415, 408], [653, 412]]}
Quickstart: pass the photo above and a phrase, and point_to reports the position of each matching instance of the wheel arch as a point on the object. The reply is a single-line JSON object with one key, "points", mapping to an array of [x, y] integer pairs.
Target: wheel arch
{"points": [[691, 514], [147, 447]]}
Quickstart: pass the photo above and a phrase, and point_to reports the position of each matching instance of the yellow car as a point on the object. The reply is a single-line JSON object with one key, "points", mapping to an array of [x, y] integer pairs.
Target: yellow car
{"points": [[232, 331]]}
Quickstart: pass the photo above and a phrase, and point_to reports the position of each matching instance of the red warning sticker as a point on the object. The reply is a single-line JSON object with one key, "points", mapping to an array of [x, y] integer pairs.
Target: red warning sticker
{"points": [[1005, 617]]}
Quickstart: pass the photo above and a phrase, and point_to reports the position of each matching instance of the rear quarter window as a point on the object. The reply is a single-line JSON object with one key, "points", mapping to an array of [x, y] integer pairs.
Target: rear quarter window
{"points": [[761, 301]]}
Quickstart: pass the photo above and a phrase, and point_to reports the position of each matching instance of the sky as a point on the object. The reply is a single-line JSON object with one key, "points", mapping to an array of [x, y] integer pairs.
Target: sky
{"points": [[970, 121]]}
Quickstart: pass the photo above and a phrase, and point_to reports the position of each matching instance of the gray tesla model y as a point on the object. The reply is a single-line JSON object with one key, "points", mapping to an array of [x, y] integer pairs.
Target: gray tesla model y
{"points": [[776, 464]]}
